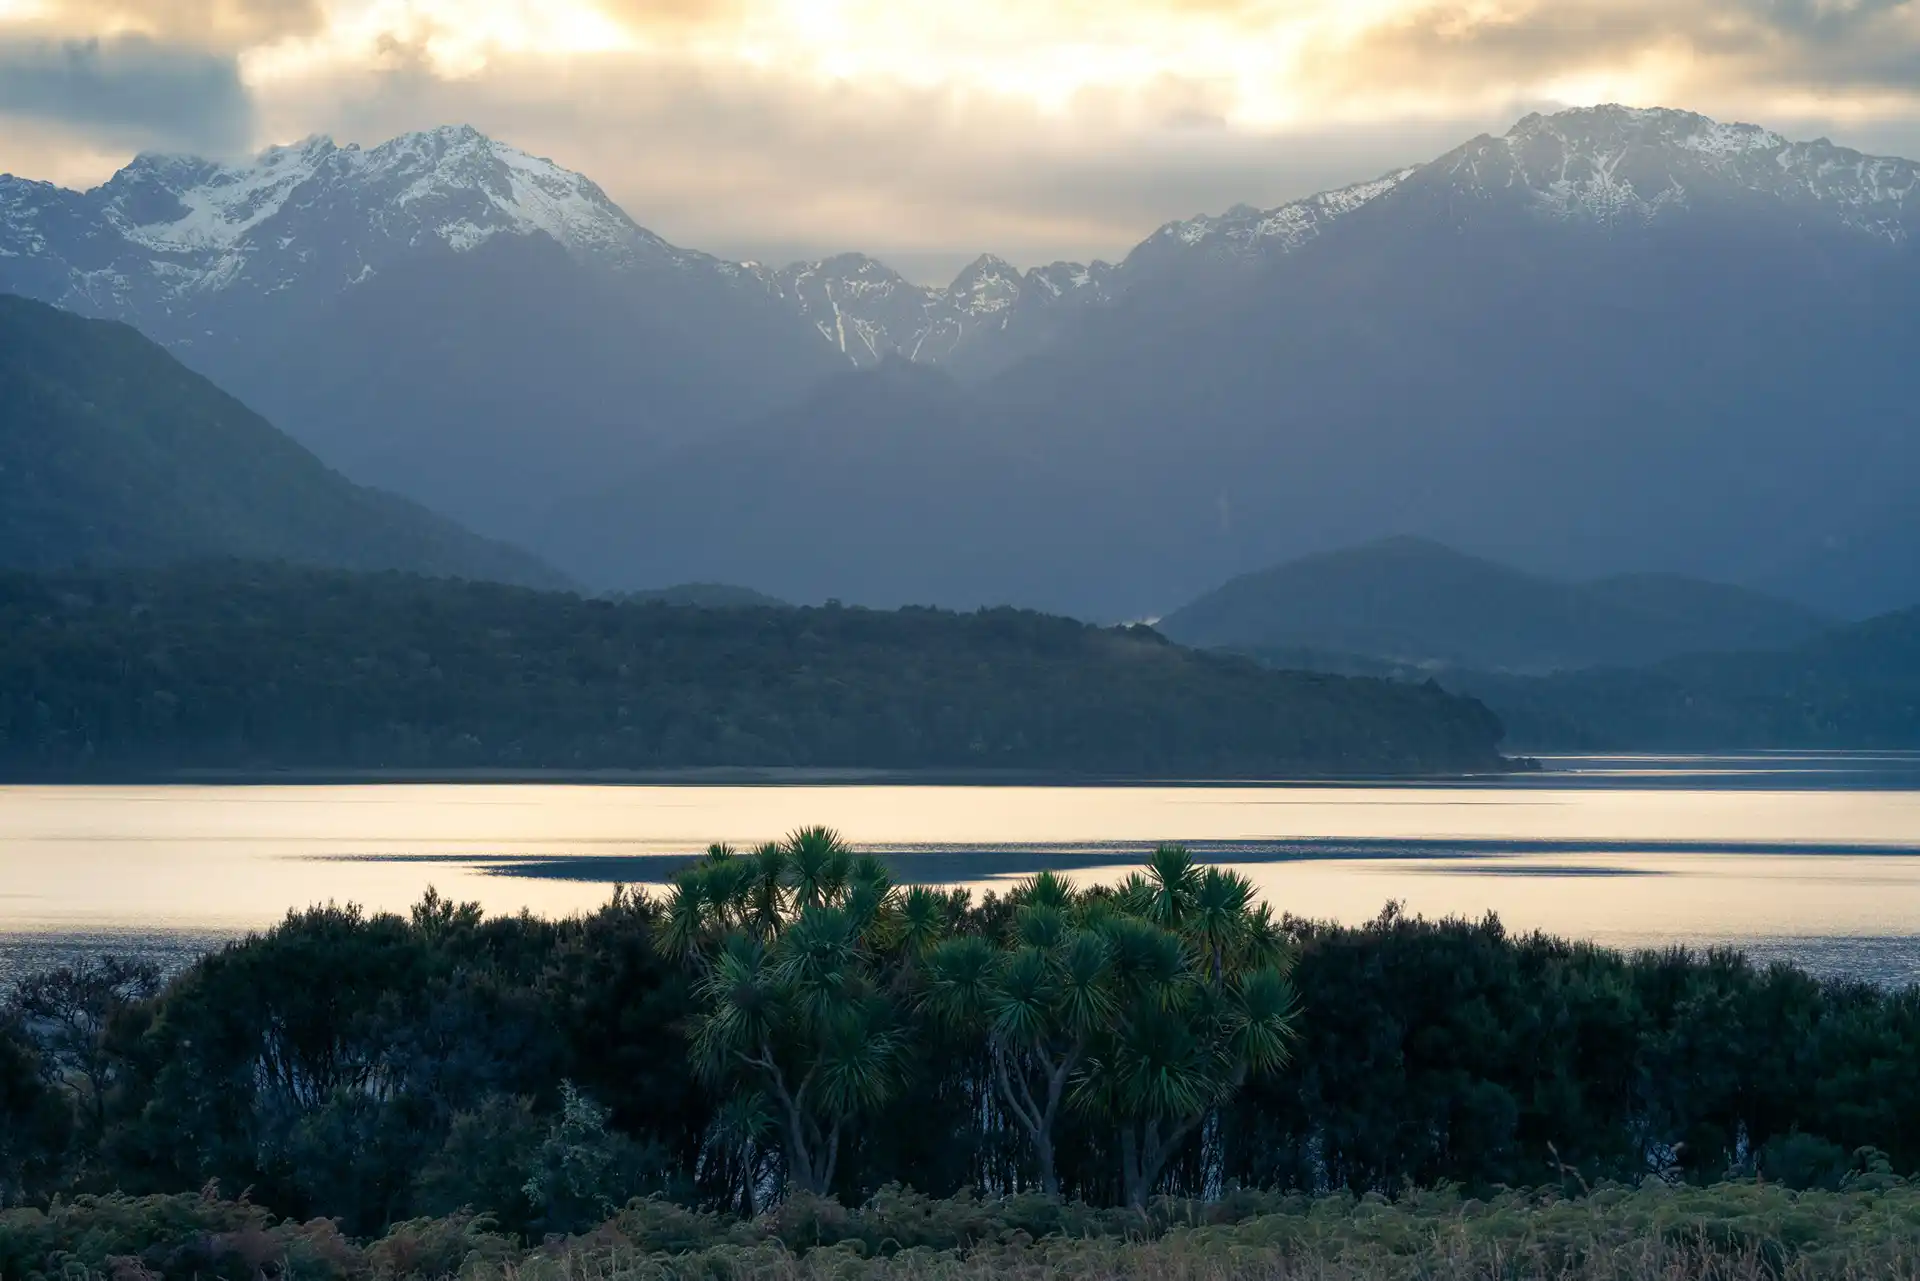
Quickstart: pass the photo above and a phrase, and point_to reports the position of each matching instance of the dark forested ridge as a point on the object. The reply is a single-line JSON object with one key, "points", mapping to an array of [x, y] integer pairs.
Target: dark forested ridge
{"points": [[112, 452], [242, 667], [1414, 601], [1854, 687], [704, 596]]}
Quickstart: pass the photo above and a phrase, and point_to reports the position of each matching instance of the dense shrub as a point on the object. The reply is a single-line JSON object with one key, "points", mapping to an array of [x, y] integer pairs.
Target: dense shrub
{"points": [[375, 1069]]}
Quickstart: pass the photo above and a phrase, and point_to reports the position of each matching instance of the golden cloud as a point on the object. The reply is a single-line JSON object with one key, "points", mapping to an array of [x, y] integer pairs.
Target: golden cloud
{"points": [[1681, 52]]}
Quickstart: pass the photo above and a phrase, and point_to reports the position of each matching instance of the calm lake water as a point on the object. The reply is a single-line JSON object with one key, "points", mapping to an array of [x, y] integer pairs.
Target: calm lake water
{"points": [[1809, 858]]}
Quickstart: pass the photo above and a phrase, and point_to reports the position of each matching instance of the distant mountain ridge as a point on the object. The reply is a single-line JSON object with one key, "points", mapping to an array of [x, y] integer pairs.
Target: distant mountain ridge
{"points": [[112, 453], [1416, 602], [1609, 336], [170, 238], [993, 313]]}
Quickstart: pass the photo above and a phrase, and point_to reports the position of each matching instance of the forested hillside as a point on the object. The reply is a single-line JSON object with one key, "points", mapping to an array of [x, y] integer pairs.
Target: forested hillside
{"points": [[112, 452], [251, 667], [1854, 687]]}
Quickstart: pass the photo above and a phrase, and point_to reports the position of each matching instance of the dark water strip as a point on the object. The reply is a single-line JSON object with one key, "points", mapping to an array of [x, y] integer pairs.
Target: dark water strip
{"points": [[947, 864]]}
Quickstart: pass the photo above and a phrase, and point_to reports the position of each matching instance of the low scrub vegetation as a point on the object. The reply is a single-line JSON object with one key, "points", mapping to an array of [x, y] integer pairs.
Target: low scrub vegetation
{"points": [[1868, 1228]]}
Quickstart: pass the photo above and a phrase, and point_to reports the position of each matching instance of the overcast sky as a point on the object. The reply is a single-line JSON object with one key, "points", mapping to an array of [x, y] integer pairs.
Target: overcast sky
{"points": [[929, 130]]}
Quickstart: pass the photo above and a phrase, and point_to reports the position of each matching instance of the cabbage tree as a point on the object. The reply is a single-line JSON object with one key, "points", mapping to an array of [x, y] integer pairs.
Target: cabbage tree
{"points": [[797, 1009]]}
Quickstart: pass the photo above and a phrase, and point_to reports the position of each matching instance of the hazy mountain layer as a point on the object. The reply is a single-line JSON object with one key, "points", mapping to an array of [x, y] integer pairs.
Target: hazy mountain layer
{"points": [[1416, 602], [112, 452]]}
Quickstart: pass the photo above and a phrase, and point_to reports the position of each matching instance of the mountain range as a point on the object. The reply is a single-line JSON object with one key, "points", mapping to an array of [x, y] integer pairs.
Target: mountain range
{"points": [[112, 453], [1609, 339]]}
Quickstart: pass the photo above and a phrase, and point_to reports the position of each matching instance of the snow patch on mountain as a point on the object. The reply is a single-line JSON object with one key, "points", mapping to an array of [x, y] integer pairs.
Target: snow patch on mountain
{"points": [[1244, 232], [868, 311], [1614, 165], [177, 233]]}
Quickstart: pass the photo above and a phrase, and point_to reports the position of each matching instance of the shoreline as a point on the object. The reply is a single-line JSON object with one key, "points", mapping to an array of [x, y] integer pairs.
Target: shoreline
{"points": [[737, 776]]}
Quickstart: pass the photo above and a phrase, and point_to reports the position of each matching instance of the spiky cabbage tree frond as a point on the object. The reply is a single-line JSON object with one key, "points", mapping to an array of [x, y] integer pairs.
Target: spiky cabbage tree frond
{"points": [[1040, 925], [819, 865], [1266, 943], [922, 920], [1084, 967], [1261, 1019], [1148, 963], [1133, 897], [1163, 1068], [767, 889], [1024, 1003], [1172, 881], [727, 883], [1216, 923], [859, 1058], [1045, 889], [817, 959], [866, 909], [957, 980], [685, 928], [742, 1006], [871, 871]]}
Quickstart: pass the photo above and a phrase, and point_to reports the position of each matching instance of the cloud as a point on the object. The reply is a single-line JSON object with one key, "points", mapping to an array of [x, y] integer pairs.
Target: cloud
{"points": [[131, 90], [1685, 52], [210, 24]]}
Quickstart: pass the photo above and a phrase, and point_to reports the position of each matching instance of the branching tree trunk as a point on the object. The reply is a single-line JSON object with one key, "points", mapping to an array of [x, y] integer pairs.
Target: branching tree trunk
{"points": [[1037, 1114], [1145, 1149], [812, 1143]]}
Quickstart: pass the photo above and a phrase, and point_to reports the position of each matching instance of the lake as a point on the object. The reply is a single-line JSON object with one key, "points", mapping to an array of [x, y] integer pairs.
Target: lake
{"points": [[1812, 858]]}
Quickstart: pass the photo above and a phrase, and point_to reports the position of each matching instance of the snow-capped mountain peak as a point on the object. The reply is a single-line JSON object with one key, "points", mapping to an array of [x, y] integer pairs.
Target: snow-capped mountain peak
{"points": [[986, 286], [184, 233], [1617, 165]]}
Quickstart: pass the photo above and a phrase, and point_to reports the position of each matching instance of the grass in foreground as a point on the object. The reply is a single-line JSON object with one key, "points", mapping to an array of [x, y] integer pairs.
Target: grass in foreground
{"points": [[1871, 1228]]}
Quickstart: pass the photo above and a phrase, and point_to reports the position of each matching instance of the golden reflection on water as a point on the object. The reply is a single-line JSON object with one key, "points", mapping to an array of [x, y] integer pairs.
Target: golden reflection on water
{"points": [[231, 858], [1620, 899]]}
